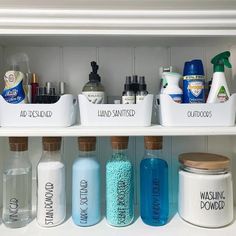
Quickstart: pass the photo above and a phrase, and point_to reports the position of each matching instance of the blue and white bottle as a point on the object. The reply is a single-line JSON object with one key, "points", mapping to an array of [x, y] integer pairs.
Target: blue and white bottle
{"points": [[86, 209], [154, 202]]}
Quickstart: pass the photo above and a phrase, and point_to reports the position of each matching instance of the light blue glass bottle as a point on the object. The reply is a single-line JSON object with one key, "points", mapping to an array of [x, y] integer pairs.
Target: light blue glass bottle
{"points": [[119, 185], [154, 201], [86, 209]]}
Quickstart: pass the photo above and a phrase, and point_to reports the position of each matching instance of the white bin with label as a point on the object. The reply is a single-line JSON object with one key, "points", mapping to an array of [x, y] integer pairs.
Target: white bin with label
{"points": [[197, 114]]}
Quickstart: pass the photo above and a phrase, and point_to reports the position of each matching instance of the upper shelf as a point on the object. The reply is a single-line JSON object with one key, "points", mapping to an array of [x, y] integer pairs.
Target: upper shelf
{"points": [[98, 17], [78, 130]]}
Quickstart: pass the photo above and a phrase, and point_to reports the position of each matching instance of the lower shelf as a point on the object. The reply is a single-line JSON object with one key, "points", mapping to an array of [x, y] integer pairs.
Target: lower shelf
{"points": [[176, 227]]}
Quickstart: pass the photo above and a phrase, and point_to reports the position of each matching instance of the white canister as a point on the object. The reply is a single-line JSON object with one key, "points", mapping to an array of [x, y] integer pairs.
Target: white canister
{"points": [[205, 190]]}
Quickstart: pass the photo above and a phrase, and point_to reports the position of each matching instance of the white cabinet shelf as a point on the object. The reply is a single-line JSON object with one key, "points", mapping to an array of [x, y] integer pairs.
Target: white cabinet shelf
{"points": [[78, 130], [175, 227]]}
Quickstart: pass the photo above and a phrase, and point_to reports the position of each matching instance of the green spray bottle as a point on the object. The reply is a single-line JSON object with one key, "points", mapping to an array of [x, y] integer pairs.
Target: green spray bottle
{"points": [[219, 91]]}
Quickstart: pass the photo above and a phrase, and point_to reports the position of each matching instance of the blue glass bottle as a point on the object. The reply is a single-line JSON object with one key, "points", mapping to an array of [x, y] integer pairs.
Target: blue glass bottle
{"points": [[86, 208], [154, 201], [119, 185]]}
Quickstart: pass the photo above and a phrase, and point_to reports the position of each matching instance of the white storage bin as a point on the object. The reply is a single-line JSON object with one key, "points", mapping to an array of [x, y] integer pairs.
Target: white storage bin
{"points": [[198, 114], [115, 114], [61, 114]]}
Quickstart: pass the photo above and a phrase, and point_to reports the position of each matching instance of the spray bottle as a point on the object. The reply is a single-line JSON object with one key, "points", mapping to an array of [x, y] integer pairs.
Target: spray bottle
{"points": [[14, 90], [219, 91], [171, 86]]}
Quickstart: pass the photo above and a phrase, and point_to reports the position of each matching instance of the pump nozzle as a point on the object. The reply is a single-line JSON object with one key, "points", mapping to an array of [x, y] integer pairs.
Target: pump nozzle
{"points": [[93, 76], [220, 61]]}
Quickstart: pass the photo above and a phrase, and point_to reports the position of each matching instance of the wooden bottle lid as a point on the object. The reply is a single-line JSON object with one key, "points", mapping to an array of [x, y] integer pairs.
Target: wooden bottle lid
{"points": [[119, 142], [207, 161], [51, 143], [153, 142], [87, 144], [18, 143]]}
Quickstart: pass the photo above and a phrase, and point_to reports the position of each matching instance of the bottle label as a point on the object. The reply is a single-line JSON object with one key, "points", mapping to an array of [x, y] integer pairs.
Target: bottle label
{"points": [[83, 202], [96, 97], [139, 98], [51, 199], [222, 95], [13, 209], [128, 99], [177, 97], [13, 91], [193, 89]]}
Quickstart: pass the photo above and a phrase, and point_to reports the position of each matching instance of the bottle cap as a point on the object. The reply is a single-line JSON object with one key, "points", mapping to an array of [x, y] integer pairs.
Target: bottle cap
{"points": [[119, 142], [51, 143], [194, 67], [62, 86], [18, 143], [94, 76], [87, 144], [135, 85], [153, 142], [48, 86], [34, 78], [128, 85], [220, 61], [204, 161], [142, 84]]}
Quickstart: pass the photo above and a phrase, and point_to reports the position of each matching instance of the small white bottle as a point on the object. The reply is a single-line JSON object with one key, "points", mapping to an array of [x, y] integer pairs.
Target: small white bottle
{"points": [[51, 197], [219, 91], [171, 86]]}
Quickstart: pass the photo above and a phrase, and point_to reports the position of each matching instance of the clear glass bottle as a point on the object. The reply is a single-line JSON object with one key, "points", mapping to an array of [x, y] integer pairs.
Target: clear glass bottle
{"points": [[94, 90], [86, 199], [51, 195], [119, 185], [17, 185], [154, 201]]}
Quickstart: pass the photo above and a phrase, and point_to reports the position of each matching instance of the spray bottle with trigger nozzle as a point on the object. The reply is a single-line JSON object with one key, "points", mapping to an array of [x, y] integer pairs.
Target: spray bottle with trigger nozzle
{"points": [[219, 91]]}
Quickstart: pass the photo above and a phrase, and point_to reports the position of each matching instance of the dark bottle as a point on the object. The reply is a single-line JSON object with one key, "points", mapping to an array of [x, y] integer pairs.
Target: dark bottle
{"points": [[154, 201], [128, 96], [34, 87], [94, 90], [142, 92], [135, 85]]}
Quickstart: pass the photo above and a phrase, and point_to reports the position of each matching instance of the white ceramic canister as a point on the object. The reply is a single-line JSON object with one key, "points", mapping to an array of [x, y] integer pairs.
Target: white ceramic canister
{"points": [[205, 190]]}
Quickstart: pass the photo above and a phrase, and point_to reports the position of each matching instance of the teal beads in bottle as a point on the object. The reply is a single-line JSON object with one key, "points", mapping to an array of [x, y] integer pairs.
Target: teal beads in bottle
{"points": [[119, 185]]}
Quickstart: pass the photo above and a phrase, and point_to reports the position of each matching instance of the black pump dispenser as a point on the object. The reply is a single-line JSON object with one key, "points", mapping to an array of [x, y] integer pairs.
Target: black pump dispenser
{"points": [[94, 76], [135, 85], [142, 84], [127, 85]]}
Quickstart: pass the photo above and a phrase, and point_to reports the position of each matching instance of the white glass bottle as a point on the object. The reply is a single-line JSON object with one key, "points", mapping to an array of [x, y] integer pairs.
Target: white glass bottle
{"points": [[51, 197], [17, 185]]}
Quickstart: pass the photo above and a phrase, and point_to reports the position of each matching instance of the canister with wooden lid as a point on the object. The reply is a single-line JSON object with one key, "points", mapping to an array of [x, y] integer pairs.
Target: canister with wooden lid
{"points": [[205, 190]]}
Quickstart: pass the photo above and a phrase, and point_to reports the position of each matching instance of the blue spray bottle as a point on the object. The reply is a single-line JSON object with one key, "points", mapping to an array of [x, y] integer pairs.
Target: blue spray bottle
{"points": [[154, 201]]}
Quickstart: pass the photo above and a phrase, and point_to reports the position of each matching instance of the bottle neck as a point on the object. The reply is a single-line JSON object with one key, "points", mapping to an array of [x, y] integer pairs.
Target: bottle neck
{"points": [[153, 153], [87, 154], [51, 156], [119, 154], [19, 154]]}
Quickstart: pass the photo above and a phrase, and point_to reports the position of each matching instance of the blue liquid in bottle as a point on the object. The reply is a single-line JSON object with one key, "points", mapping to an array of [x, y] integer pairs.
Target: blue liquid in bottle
{"points": [[154, 202]]}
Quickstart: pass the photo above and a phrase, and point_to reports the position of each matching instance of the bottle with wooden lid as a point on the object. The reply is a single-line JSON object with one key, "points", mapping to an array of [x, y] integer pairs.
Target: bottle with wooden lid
{"points": [[154, 201], [17, 184], [119, 184], [205, 189], [51, 194], [86, 203]]}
